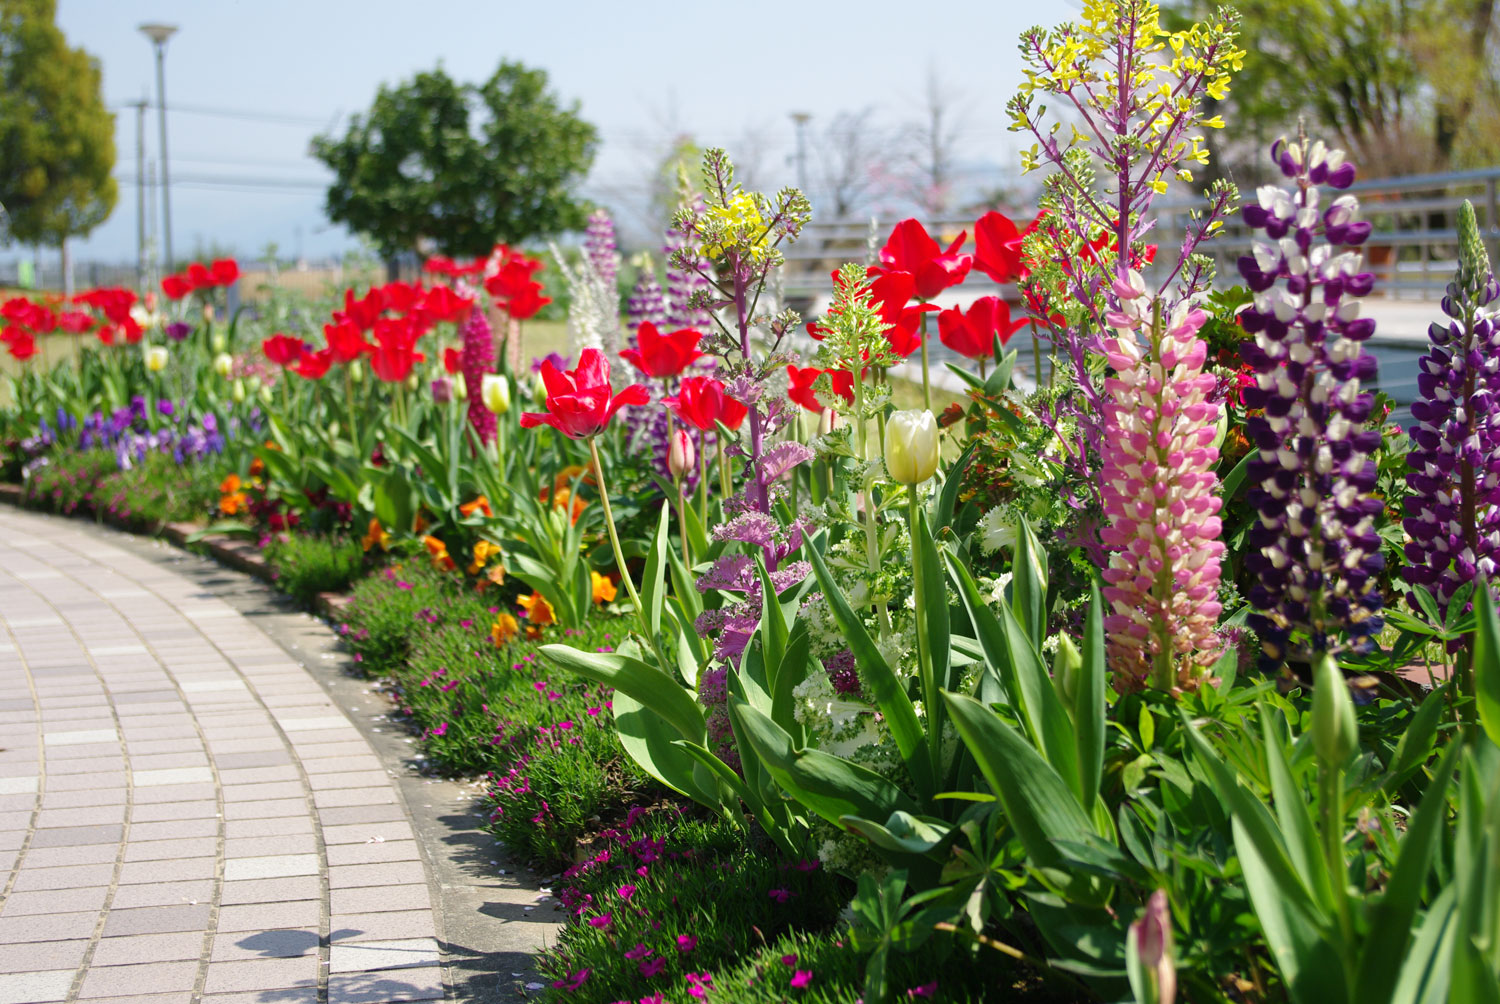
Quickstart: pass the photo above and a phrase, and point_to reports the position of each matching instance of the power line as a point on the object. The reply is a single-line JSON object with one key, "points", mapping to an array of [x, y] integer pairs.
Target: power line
{"points": [[275, 118], [306, 184]]}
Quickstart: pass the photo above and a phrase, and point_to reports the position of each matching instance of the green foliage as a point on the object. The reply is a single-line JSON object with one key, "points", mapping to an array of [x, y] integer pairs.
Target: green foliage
{"points": [[57, 138], [308, 564], [156, 491], [461, 164]]}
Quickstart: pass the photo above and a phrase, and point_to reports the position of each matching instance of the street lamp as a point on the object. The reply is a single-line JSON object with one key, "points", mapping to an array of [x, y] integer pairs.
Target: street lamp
{"points": [[159, 33], [801, 119]]}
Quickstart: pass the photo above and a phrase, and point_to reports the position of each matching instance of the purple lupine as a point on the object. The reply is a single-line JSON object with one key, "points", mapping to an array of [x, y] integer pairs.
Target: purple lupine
{"points": [[1314, 553], [682, 284], [647, 302], [599, 245], [1453, 511], [478, 359]]}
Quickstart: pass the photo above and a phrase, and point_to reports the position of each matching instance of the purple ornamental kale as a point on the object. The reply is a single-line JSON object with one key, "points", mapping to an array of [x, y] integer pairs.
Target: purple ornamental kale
{"points": [[1314, 552], [1453, 511]]}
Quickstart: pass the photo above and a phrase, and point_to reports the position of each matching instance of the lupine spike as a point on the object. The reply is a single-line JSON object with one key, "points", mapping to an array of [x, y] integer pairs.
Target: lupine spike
{"points": [[1160, 493], [646, 303], [1314, 552], [478, 359], [1453, 510], [599, 246]]}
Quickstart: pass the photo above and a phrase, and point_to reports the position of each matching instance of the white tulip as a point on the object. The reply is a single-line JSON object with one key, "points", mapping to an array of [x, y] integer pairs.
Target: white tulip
{"points": [[224, 364], [911, 446], [494, 391], [156, 358]]}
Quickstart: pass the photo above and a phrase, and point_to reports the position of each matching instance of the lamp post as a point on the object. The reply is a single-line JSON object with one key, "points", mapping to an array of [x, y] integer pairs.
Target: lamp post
{"points": [[159, 33], [801, 119]]}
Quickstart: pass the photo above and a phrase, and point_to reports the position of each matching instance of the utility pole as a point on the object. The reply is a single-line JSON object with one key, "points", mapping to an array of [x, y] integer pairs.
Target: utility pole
{"points": [[801, 119], [141, 275], [159, 33]]}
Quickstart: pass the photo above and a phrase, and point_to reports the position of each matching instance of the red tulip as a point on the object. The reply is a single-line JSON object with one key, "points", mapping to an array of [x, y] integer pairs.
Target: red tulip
{"points": [[75, 322], [225, 271], [453, 361], [441, 303], [578, 401], [175, 286], [19, 342], [973, 334], [701, 402], [313, 365], [526, 303], [400, 297], [106, 333], [802, 380], [997, 247], [199, 277], [395, 352], [363, 312], [112, 303], [131, 329], [345, 340], [910, 249], [660, 355], [283, 350]]}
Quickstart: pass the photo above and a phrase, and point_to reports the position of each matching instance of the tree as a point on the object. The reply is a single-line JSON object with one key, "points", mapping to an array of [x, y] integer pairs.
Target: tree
{"points": [[850, 162], [57, 139], [1405, 86], [931, 165], [460, 165]]}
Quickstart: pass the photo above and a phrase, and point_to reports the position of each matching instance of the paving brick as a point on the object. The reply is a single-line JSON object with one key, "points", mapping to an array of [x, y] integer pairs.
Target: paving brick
{"points": [[69, 877], [270, 757], [76, 799], [175, 793], [256, 847], [267, 916], [271, 890], [290, 995], [348, 814], [272, 866], [66, 836], [372, 852], [20, 904], [276, 826], [261, 974], [42, 955], [168, 870], [32, 988], [259, 775], [161, 850], [360, 832], [378, 899], [171, 775], [392, 873], [392, 924], [52, 927], [57, 857], [285, 943], [119, 981], [262, 792], [93, 815], [171, 829], [156, 920], [386, 988], [185, 893], [158, 812], [135, 949], [91, 781], [366, 956], [334, 797]]}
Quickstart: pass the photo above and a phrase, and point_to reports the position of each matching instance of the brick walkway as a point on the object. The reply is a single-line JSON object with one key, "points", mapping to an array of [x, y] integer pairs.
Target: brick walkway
{"points": [[184, 814]]}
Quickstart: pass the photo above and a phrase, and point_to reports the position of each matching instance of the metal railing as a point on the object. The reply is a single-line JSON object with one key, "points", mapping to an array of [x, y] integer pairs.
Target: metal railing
{"points": [[1413, 249]]}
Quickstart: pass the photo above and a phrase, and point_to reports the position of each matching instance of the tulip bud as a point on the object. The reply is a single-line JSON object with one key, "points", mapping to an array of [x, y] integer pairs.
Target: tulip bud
{"points": [[219, 342], [1221, 429], [265, 393], [681, 455], [538, 387], [413, 382], [460, 390], [442, 390], [494, 391], [1335, 732], [156, 358], [224, 364], [356, 371], [1151, 943], [828, 420], [1065, 666], [911, 446], [238, 392], [208, 313]]}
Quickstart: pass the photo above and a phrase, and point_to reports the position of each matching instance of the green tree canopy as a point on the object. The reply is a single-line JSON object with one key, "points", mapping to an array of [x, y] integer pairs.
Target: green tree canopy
{"points": [[459, 164], [57, 139], [1405, 86]]}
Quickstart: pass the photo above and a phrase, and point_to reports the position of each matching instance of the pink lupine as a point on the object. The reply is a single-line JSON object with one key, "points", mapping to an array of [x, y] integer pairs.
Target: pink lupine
{"points": [[478, 359], [1159, 491]]}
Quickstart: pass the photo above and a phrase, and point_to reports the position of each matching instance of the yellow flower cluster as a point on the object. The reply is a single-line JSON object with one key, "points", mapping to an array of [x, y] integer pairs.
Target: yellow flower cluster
{"points": [[737, 225]]}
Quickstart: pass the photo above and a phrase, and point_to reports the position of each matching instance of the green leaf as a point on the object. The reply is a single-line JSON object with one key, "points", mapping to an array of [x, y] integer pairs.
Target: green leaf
{"points": [[947, 500], [773, 627], [1427, 969], [652, 743], [1029, 583], [903, 833], [1295, 818], [1416, 739], [793, 670], [1235, 478], [1487, 663], [1393, 914], [1090, 706], [827, 785], [647, 684], [890, 696], [653, 582], [1038, 803]]}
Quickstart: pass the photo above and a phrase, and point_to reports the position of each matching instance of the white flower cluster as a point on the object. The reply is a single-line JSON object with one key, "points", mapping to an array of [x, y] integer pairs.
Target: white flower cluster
{"points": [[593, 307]]}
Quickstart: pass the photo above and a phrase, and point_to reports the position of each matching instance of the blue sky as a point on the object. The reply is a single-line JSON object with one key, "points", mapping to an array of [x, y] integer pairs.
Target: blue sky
{"points": [[641, 72]]}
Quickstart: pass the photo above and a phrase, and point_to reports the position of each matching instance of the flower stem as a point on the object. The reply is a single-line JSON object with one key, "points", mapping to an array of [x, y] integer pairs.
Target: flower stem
{"points": [[926, 381], [723, 463], [614, 542], [931, 700]]}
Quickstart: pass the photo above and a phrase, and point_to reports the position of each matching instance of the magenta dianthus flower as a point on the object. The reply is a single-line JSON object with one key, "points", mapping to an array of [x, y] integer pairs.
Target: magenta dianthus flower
{"points": [[1159, 491]]}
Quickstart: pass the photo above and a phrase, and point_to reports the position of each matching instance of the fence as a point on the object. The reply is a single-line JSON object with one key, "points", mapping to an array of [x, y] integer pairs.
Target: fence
{"points": [[1413, 249]]}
